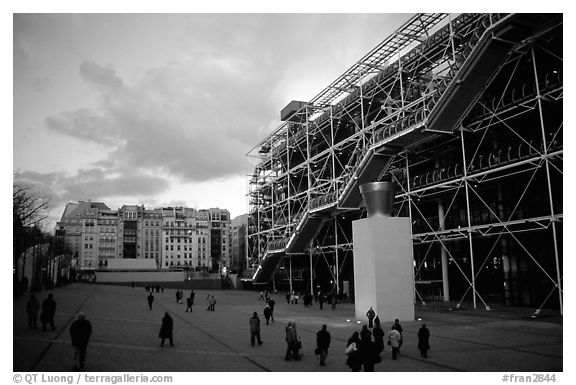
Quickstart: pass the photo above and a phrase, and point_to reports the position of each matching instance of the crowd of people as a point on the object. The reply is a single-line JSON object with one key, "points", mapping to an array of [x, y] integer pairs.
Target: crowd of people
{"points": [[363, 349]]}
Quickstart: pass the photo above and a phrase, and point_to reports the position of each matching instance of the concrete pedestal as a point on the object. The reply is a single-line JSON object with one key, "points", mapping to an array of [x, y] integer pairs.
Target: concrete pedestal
{"points": [[383, 268]]}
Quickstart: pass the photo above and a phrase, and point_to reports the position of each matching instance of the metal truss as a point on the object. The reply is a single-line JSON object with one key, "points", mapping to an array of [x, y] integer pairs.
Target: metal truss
{"points": [[391, 116]]}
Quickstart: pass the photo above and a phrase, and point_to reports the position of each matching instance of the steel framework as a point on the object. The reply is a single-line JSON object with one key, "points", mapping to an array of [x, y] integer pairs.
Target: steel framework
{"points": [[465, 114]]}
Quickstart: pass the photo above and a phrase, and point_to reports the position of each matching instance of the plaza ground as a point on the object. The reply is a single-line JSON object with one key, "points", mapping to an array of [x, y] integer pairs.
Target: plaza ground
{"points": [[125, 337]]}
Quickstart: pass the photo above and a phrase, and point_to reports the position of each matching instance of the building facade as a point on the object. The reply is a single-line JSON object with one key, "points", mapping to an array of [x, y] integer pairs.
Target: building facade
{"points": [[173, 237], [465, 114], [238, 243]]}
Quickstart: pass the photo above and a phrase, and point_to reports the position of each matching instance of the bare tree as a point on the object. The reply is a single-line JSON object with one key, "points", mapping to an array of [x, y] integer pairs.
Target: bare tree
{"points": [[28, 212]]}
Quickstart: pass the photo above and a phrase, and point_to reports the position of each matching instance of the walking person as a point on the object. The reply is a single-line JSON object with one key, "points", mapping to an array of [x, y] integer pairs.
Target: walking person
{"points": [[255, 329], [398, 327], [334, 301], [321, 299], [322, 344], [370, 314], [192, 296], [423, 341], [80, 332], [292, 342], [188, 304], [150, 300], [32, 307], [267, 313], [365, 332], [394, 339], [367, 352], [167, 329], [378, 338], [48, 311], [271, 303], [353, 360]]}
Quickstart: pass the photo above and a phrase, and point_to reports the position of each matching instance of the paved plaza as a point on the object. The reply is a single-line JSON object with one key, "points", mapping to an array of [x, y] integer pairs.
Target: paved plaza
{"points": [[125, 336]]}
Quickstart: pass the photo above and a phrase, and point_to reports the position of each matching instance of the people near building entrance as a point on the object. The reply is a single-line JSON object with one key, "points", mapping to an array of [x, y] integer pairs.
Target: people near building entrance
{"points": [[80, 332], [255, 329], [292, 350], [271, 303], [48, 312], [397, 326], [378, 334], [394, 339], [370, 314], [321, 299], [322, 344], [267, 313], [150, 300], [32, 307], [423, 340], [166, 330], [334, 300], [353, 360]]}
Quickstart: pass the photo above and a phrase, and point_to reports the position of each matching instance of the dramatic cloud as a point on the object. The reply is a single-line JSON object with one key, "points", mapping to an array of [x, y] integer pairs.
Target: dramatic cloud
{"points": [[156, 108], [95, 184]]}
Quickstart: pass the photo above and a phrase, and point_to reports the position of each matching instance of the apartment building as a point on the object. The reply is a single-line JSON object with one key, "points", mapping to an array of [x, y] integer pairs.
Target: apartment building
{"points": [[174, 237]]}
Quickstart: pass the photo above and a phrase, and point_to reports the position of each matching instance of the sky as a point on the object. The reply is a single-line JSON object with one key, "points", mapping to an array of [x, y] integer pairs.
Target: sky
{"points": [[160, 109]]}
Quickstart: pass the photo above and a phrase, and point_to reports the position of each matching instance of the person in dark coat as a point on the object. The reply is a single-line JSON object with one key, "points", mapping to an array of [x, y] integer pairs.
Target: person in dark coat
{"points": [[255, 329], [150, 300], [377, 321], [367, 352], [267, 313], [80, 332], [32, 307], [322, 344], [378, 338], [188, 304], [192, 296], [48, 311], [423, 340], [398, 327], [365, 332], [353, 360], [292, 342], [288, 298], [370, 314], [271, 303], [321, 300], [166, 330]]}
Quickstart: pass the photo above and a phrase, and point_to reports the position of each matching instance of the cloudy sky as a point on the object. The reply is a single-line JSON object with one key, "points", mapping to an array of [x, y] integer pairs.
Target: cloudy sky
{"points": [[160, 109]]}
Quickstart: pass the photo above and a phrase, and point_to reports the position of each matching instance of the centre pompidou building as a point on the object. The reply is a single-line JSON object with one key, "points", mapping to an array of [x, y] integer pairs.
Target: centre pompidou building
{"points": [[464, 113]]}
